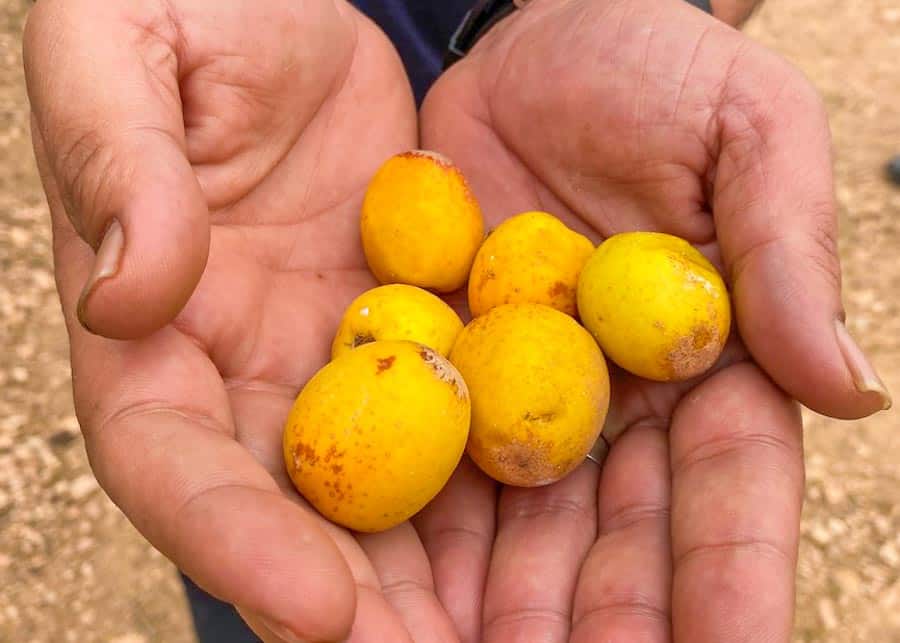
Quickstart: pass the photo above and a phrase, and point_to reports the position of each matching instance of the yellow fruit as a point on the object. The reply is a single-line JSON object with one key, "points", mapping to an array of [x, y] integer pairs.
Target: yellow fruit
{"points": [[376, 433], [397, 311], [657, 307], [420, 224], [540, 392], [530, 258]]}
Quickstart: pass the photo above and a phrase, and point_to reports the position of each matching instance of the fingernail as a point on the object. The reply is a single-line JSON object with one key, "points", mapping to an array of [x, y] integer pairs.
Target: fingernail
{"points": [[282, 631], [864, 376], [106, 265], [599, 451]]}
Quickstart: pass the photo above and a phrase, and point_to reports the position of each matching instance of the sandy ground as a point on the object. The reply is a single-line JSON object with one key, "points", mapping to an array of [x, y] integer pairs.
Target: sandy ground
{"points": [[73, 569]]}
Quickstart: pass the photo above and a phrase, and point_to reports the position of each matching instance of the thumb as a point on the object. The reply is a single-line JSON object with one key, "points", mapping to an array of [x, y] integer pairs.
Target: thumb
{"points": [[109, 137], [776, 224]]}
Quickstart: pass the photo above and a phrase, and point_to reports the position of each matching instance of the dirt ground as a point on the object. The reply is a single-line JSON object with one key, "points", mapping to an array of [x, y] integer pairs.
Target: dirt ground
{"points": [[73, 569]]}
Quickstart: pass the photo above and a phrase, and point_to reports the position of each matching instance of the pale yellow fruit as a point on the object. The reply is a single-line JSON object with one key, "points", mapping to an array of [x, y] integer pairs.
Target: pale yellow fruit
{"points": [[397, 311], [540, 392], [376, 433], [657, 307], [532, 257], [420, 224]]}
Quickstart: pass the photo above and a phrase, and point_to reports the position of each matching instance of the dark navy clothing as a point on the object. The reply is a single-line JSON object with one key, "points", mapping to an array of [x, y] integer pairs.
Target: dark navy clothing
{"points": [[420, 30]]}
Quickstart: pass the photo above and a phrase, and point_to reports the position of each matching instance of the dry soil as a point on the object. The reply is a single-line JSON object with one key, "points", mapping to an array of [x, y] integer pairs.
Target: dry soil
{"points": [[73, 569]]}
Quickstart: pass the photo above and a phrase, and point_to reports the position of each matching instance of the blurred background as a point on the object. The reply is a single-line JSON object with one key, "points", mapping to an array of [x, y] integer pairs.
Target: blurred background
{"points": [[73, 569]]}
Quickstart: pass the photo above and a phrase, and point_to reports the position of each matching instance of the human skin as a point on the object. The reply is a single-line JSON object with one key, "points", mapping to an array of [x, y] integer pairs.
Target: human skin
{"points": [[217, 137], [641, 114]]}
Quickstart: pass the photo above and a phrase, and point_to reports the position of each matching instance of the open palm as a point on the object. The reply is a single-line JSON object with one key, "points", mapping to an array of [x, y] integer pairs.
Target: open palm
{"points": [[239, 151], [205, 169], [648, 115]]}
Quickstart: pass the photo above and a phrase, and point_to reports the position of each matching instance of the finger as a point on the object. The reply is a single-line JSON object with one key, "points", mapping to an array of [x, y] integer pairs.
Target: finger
{"points": [[203, 501], [264, 630], [406, 582], [636, 401], [543, 535], [160, 438], [259, 411], [623, 591], [107, 119], [776, 222], [737, 488], [457, 531]]}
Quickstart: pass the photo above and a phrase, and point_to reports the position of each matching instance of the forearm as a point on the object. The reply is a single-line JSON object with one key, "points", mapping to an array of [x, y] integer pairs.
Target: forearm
{"points": [[734, 12]]}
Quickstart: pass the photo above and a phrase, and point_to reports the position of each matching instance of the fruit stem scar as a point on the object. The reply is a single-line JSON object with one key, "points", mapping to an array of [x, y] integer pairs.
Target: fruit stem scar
{"points": [[361, 338]]}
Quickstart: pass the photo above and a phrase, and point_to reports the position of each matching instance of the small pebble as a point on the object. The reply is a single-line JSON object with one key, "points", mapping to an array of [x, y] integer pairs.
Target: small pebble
{"points": [[828, 614], [63, 437], [82, 487], [889, 554], [893, 170], [129, 638], [820, 534]]}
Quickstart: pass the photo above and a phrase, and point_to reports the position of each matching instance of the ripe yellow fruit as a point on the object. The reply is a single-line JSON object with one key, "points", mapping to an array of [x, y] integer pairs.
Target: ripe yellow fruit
{"points": [[376, 433], [532, 257], [540, 392], [420, 224], [397, 311], [657, 307]]}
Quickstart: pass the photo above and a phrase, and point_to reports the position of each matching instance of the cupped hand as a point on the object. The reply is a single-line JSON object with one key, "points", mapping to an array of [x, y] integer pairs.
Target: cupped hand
{"points": [[205, 165], [639, 114]]}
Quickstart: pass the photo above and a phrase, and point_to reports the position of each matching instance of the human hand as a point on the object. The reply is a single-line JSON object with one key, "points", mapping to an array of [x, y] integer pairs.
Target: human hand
{"points": [[652, 115], [216, 155]]}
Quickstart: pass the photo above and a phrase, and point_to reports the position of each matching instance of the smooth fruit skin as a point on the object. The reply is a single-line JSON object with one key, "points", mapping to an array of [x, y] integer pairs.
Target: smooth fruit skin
{"points": [[532, 257], [397, 312], [540, 392], [420, 223], [657, 307], [376, 433]]}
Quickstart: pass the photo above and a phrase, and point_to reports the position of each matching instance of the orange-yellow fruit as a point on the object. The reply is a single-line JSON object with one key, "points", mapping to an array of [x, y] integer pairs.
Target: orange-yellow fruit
{"points": [[397, 311], [540, 392], [532, 257], [420, 224], [376, 433], [657, 307]]}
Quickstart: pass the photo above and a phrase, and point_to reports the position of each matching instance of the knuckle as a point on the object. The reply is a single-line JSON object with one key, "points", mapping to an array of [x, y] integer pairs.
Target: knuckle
{"points": [[824, 242], [633, 514], [539, 617], [733, 445], [88, 167], [623, 603], [142, 408], [529, 507], [753, 547], [405, 586]]}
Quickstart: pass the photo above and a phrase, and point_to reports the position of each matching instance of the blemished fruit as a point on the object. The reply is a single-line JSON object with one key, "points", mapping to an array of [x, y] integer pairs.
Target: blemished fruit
{"points": [[657, 307], [397, 312], [420, 223], [532, 257], [540, 392], [376, 434]]}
